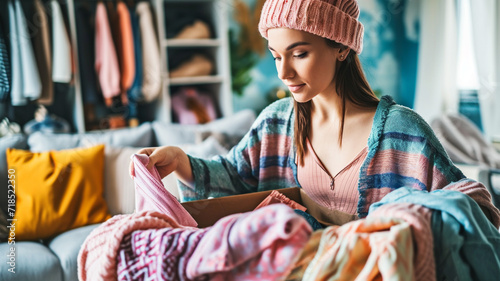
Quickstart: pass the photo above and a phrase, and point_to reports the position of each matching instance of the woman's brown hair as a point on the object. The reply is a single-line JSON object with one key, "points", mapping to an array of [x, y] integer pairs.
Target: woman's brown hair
{"points": [[351, 84]]}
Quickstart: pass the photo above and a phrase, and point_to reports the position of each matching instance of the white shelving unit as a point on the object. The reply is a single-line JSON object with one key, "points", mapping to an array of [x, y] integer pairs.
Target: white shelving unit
{"points": [[191, 43], [217, 47]]}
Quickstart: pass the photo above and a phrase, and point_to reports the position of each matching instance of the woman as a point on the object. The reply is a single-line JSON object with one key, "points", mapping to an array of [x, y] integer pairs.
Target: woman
{"points": [[335, 138]]}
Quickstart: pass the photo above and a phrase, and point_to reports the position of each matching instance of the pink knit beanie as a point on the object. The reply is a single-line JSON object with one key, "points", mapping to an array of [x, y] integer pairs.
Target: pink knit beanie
{"points": [[333, 19]]}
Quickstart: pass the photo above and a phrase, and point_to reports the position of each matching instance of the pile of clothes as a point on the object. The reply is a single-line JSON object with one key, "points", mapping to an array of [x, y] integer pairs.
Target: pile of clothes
{"points": [[410, 234]]}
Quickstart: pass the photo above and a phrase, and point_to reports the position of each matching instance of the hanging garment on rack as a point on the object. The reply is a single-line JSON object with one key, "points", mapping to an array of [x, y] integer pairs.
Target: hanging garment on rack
{"points": [[119, 102], [17, 97], [106, 61], [113, 24], [86, 57], [151, 86], [135, 89], [4, 67], [31, 87], [41, 43], [134, 94], [125, 47], [116, 34], [61, 71]]}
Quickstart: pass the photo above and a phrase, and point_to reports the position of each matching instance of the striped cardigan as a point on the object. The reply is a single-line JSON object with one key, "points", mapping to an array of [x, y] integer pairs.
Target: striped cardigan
{"points": [[402, 151]]}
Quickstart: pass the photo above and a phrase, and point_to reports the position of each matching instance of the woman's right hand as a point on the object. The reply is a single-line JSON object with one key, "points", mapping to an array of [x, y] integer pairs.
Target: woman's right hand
{"points": [[167, 159]]}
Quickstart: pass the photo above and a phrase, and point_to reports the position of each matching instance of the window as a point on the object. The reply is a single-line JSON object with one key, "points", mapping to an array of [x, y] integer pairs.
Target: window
{"points": [[467, 75]]}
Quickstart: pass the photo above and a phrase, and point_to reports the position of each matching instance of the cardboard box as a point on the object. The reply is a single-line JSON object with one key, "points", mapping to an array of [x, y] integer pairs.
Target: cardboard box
{"points": [[208, 211]]}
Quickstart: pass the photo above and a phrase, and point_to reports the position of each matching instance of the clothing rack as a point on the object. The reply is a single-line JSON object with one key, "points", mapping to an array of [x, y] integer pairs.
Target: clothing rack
{"points": [[79, 115]]}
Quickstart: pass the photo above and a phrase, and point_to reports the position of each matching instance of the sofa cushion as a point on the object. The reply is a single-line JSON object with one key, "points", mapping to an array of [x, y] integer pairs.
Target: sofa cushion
{"points": [[33, 261], [119, 187], [66, 247], [14, 141], [206, 149], [136, 137], [177, 134], [57, 190], [119, 190]]}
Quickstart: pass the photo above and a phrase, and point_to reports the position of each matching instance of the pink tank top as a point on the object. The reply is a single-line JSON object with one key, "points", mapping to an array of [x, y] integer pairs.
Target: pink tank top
{"points": [[339, 192]]}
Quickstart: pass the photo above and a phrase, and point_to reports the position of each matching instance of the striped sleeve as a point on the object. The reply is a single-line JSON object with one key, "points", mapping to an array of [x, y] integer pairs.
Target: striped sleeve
{"points": [[405, 152], [261, 161], [411, 154]]}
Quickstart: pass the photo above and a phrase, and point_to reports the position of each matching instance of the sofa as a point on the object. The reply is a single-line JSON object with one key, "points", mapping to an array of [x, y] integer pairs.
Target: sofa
{"points": [[54, 257]]}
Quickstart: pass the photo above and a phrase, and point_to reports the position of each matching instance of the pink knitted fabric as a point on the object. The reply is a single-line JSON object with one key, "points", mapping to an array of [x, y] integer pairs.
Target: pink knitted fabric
{"points": [[259, 245], [419, 219], [151, 195], [336, 20], [98, 254], [157, 254]]}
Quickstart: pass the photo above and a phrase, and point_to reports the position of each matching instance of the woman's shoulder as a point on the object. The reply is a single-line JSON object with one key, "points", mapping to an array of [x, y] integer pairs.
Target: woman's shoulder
{"points": [[397, 121], [403, 118]]}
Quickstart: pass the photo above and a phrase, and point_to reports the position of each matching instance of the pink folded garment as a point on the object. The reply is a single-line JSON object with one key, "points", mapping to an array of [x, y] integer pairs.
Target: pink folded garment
{"points": [[151, 195], [277, 197]]}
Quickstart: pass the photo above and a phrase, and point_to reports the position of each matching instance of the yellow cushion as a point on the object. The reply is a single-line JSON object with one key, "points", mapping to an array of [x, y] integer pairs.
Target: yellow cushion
{"points": [[57, 190]]}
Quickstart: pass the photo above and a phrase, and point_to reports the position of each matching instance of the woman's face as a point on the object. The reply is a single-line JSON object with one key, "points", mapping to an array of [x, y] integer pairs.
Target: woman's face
{"points": [[305, 63]]}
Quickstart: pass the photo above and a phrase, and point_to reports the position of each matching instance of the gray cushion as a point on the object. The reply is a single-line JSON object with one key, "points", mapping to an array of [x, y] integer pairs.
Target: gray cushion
{"points": [[13, 141], [176, 134], [173, 134], [33, 261], [206, 149], [66, 247], [135, 137]]}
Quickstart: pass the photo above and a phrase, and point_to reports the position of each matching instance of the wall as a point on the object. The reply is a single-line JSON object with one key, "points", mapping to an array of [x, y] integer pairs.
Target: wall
{"points": [[390, 49]]}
